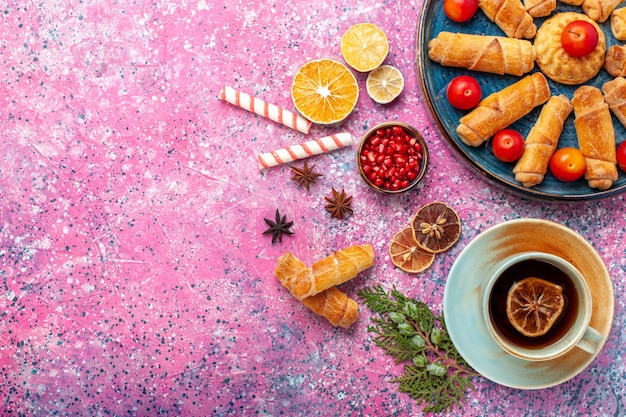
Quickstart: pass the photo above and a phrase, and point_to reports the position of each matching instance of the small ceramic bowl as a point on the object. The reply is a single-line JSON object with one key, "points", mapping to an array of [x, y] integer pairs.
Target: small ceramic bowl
{"points": [[388, 157]]}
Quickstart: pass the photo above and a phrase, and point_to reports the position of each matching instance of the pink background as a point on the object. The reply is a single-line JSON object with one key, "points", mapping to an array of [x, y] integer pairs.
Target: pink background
{"points": [[134, 276]]}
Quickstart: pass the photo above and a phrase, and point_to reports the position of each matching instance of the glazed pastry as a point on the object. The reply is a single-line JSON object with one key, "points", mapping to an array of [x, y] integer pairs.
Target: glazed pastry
{"points": [[615, 62], [335, 269], [599, 10], [540, 8], [502, 108], [290, 270], [332, 304], [557, 64], [618, 23], [510, 16], [494, 54], [596, 137], [615, 97], [542, 140], [288, 267]]}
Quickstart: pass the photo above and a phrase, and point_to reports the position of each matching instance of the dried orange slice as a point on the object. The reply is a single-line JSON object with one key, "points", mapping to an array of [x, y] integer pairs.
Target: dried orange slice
{"points": [[324, 91], [533, 305], [436, 227], [384, 84], [364, 47], [406, 254]]}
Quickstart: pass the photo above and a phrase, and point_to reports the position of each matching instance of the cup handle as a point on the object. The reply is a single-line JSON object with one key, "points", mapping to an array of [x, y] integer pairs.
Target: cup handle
{"points": [[590, 340]]}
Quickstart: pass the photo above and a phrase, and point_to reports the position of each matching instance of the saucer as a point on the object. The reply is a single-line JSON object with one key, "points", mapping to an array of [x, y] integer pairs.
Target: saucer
{"points": [[471, 270]]}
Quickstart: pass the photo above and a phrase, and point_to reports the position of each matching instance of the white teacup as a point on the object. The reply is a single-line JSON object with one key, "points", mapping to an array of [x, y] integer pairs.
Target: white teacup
{"points": [[572, 328]]}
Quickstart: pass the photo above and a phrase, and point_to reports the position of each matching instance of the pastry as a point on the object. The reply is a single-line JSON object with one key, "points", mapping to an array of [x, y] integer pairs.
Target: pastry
{"points": [[502, 108], [288, 267], [599, 10], [334, 305], [615, 97], [335, 269], [541, 141], [615, 63], [494, 54], [539, 8], [618, 23], [596, 137], [557, 64], [510, 16]]}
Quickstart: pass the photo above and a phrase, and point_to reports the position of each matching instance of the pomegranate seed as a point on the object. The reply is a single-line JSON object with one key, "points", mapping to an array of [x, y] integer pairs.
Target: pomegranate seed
{"points": [[391, 158]]}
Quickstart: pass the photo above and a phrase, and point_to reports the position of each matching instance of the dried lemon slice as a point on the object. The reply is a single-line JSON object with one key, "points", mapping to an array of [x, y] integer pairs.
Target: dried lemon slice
{"points": [[324, 91], [384, 84], [533, 305], [364, 46], [406, 254], [436, 227]]}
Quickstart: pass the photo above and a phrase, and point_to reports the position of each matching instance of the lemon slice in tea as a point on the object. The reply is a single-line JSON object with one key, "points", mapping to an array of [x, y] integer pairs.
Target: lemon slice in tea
{"points": [[533, 305], [384, 84], [407, 255], [324, 91], [436, 227], [364, 47]]}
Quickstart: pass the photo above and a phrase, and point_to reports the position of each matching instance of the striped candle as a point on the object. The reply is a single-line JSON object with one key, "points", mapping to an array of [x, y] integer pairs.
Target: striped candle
{"points": [[304, 150], [265, 109]]}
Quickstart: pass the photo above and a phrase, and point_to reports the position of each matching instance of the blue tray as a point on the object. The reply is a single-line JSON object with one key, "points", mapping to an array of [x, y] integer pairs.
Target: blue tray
{"points": [[434, 79]]}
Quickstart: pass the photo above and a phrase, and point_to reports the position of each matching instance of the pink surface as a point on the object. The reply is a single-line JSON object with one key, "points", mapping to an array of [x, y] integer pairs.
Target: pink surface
{"points": [[135, 279]]}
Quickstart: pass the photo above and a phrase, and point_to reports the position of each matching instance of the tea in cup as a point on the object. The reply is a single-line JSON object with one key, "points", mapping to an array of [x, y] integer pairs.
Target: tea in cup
{"points": [[537, 307]]}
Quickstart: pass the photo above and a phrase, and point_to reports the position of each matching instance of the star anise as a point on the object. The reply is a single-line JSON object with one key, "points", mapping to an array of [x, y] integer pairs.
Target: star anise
{"points": [[278, 227], [305, 175], [339, 205]]}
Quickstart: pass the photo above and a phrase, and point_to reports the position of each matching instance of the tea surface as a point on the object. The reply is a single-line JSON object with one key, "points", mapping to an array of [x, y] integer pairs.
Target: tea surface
{"points": [[517, 272]]}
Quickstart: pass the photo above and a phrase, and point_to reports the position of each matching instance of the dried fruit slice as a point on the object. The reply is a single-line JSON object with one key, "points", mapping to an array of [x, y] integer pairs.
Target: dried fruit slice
{"points": [[364, 46], [436, 227], [324, 91], [384, 84], [406, 254], [533, 305]]}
